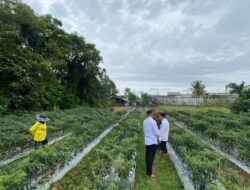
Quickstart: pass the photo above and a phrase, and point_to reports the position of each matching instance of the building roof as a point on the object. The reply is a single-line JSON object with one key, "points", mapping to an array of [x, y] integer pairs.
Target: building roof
{"points": [[124, 99], [174, 93]]}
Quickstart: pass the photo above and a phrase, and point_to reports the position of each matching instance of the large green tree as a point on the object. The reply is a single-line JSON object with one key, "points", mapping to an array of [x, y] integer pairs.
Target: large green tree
{"points": [[42, 66]]}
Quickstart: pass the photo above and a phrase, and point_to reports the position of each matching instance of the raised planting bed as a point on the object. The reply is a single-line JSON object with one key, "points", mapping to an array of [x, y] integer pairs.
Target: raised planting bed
{"points": [[29, 171], [15, 137], [206, 168], [227, 131], [111, 164]]}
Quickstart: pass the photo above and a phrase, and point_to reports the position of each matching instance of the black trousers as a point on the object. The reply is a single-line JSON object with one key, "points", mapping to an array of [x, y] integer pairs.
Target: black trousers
{"points": [[150, 155]]}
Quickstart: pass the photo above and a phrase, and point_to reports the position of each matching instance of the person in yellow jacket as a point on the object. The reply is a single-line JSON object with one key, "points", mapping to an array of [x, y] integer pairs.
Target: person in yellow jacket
{"points": [[39, 130]]}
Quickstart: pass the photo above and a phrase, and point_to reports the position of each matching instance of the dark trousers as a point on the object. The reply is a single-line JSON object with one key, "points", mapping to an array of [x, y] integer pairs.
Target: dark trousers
{"points": [[150, 155], [37, 144]]}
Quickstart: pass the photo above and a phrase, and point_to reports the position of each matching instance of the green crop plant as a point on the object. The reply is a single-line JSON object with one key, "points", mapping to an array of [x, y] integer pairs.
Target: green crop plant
{"points": [[204, 165], [45, 160], [108, 165], [227, 130]]}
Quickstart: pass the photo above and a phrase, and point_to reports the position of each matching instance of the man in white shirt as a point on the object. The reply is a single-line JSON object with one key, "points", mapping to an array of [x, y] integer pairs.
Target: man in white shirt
{"points": [[164, 133], [151, 133]]}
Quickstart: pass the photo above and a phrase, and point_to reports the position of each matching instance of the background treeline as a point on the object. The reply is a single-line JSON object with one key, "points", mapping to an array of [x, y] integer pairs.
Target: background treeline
{"points": [[43, 67], [242, 104]]}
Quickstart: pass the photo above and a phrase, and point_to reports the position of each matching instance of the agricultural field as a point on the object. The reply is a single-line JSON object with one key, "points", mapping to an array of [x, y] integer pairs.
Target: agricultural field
{"points": [[111, 164], [105, 150], [14, 129], [118, 163], [227, 131], [206, 168], [95, 132], [213, 145], [85, 125]]}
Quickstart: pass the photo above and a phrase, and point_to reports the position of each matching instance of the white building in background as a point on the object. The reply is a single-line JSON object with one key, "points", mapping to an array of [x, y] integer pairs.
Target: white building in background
{"points": [[176, 98]]}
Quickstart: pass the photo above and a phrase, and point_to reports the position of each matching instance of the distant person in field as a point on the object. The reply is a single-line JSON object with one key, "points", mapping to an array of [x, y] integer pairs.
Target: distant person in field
{"points": [[39, 130], [151, 133], [164, 133]]}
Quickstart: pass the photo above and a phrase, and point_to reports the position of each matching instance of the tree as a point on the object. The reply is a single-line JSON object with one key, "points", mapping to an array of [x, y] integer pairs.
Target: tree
{"points": [[198, 89], [108, 88], [42, 66], [84, 70], [235, 88], [145, 99], [131, 96], [242, 104]]}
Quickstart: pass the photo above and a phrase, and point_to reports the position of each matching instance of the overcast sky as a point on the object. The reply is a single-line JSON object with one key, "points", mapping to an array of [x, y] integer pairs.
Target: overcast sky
{"points": [[162, 45]]}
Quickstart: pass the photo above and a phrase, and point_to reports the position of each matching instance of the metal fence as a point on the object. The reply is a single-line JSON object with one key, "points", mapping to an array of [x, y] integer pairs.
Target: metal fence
{"points": [[189, 101]]}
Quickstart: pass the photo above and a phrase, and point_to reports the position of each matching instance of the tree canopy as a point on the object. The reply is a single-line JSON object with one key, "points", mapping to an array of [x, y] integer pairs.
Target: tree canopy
{"points": [[42, 66], [235, 88], [146, 99], [131, 96], [242, 104], [198, 89]]}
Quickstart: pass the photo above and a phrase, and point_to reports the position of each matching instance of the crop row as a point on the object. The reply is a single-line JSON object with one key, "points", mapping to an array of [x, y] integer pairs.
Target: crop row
{"points": [[229, 132], [207, 169], [107, 166], [14, 129], [23, 173]]}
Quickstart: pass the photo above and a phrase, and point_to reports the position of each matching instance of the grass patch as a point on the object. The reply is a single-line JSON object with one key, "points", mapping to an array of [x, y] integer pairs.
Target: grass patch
{"points": [[166, 175]]}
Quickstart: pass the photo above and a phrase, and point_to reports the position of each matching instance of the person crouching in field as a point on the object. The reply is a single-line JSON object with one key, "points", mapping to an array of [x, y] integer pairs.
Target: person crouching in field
{"points": [[164, 133], [39, 130], [151, 134]]}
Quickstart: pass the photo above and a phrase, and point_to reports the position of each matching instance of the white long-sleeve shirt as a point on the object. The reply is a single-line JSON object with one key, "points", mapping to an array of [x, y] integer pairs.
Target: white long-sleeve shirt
{"points": [[164, 130], [151, 131]]}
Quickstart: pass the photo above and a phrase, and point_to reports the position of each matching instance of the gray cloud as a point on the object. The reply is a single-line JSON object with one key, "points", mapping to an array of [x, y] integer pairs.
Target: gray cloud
{"points": [[162, 44]]}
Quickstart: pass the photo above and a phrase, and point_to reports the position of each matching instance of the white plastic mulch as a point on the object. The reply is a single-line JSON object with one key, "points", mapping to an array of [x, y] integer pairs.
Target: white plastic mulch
{"points": [[240, 164]]}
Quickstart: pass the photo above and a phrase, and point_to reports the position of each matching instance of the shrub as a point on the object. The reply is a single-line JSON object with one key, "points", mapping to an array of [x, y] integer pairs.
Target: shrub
{"points": [[241, 105]]}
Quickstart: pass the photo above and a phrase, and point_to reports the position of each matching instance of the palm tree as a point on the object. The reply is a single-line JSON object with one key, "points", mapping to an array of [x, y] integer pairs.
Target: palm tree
{"points": [[198, 89], [235, 88]]}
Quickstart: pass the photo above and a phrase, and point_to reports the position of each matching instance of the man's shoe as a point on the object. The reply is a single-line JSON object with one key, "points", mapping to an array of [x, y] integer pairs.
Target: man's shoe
{"points": [[152, 176]]}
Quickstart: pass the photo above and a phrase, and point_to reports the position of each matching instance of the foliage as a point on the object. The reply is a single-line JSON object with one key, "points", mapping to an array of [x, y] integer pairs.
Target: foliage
{"points": [[14, 129], [108, 165], [198, 89], [204, 165], [235, 88], [217, 101], [49, 158], [108, 89], [42, 66], [230, 130], [131, 96], [242, 104], [146, 99]]}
